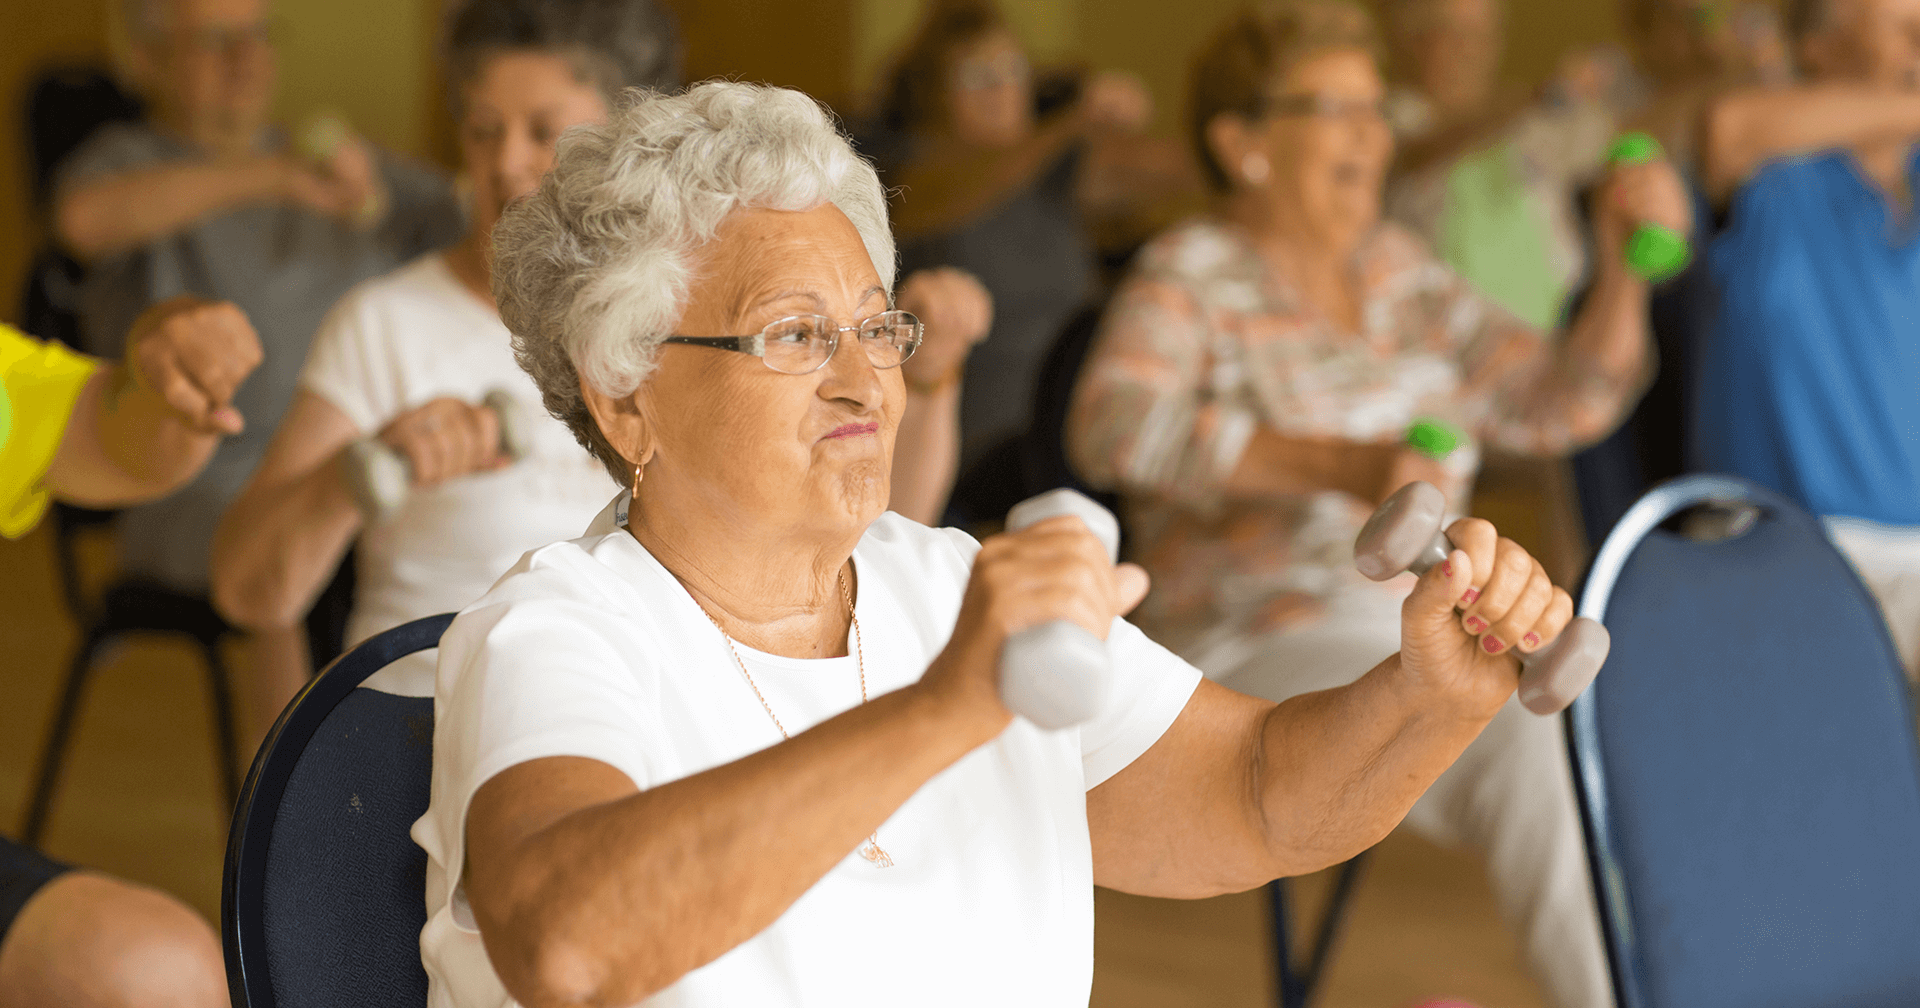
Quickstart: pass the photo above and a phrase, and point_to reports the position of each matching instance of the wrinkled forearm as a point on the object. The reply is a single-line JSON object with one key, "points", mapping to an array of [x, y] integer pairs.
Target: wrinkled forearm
{"points": [[617, 901], [1338, 769]]}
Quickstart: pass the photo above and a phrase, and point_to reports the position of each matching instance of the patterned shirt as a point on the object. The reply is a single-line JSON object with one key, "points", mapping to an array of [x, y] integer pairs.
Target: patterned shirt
{"points": [[1206, 341]]}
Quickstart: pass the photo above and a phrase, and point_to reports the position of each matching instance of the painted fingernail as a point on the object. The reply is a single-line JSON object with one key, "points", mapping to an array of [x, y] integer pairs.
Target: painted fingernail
{"points": [[1476, 625], [1531, 640], [1446, 568], [1492, 644], [1472, 596]]}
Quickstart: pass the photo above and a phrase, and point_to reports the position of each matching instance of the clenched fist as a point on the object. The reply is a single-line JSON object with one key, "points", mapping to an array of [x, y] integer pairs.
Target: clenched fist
{"points": [[957, 313], [1463, 624], [194, 353]]}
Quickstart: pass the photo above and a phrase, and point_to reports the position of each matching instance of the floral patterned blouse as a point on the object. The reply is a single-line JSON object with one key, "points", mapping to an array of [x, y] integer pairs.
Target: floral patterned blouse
{"points": [[1206, 341]]}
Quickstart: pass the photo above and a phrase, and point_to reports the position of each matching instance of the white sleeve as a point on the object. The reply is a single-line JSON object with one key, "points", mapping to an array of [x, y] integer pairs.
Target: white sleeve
{"points": [[351, 363], [1151, 686], [523, 680]]}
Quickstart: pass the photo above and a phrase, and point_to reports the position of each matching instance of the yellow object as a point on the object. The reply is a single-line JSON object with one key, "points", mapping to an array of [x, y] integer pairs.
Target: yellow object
{"points": [[39, 383]]}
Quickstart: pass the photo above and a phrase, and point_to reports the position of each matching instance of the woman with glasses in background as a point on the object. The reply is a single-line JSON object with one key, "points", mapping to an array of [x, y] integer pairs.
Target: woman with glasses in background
{"points": [[1253, 391]]}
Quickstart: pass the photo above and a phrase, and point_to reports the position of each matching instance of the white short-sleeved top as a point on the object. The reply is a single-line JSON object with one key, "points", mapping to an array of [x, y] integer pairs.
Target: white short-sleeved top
{"points": [[398, 342], [591, 648]]}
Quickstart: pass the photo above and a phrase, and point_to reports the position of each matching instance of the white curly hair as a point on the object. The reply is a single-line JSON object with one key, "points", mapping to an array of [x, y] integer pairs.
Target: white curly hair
{"points": [[591, 271]]}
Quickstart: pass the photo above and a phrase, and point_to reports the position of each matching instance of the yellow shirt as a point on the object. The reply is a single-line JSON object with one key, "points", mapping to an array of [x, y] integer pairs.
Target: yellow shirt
{"points": [[39, 383]]}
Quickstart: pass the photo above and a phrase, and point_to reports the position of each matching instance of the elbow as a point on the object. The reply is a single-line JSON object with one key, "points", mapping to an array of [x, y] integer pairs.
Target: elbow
{"points": [[545, 967]]}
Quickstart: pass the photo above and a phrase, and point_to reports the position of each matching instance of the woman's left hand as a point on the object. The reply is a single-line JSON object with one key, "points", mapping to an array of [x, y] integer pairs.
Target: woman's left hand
{"points": [[1637, 194], [957, 312], [1469, 618]]}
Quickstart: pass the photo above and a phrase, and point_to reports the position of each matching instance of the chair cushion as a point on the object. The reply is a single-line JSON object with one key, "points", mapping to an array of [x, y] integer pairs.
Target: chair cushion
{"points": [[345, 885]]}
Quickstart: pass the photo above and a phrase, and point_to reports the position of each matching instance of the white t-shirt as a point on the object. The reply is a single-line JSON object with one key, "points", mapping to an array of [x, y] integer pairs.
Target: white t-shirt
{"points": [[591, 648], [393, 344]]}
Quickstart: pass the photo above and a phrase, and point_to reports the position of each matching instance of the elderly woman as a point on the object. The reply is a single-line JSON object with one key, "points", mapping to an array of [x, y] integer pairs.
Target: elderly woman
{"points": [[408, 357], [1252, 393], [665, 772]]}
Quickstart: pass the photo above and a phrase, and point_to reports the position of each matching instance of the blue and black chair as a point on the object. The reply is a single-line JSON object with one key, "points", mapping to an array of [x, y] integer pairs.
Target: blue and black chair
{"points": [[1746, 762], [324, 894]]}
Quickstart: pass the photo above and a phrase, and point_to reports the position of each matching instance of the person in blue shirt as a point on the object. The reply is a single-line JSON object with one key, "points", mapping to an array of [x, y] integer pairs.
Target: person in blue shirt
{"points": [[1808, 380]]}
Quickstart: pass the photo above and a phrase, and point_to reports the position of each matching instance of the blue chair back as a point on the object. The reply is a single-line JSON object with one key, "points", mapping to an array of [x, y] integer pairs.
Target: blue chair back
{"points": [[1747, 767], [324, 895]]}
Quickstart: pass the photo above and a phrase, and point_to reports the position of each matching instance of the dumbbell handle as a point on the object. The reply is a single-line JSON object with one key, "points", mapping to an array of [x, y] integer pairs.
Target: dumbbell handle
{"points": [[380, 479], [1654, 251], [1057, 674], [1406, 534]]}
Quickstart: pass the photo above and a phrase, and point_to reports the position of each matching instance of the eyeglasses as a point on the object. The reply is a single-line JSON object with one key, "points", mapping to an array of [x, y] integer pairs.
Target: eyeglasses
{"points": [[802, 344], [1320, 106]]}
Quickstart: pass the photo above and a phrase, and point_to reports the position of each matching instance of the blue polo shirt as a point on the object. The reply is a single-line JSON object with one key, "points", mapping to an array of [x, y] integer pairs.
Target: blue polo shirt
{"points": [[1809, 377]]}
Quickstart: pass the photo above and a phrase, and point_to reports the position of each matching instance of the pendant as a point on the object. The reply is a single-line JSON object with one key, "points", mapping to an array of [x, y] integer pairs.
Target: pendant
{"points": [[873, 853]]}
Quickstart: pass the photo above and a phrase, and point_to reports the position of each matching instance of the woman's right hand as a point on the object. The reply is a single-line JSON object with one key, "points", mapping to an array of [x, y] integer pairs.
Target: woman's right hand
{"points": [[445, 438], [1052, 570]]}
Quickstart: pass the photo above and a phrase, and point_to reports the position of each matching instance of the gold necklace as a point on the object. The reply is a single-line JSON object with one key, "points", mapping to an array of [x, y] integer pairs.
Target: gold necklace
{"points": [[872, 851]]}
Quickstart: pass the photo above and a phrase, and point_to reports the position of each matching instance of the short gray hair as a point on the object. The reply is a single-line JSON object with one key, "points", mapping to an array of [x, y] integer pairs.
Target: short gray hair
{"points": [[592, 269]]}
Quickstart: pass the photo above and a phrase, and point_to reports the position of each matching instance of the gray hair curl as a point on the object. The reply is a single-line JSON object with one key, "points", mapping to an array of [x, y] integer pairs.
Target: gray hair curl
{"points": [[592, 270]]}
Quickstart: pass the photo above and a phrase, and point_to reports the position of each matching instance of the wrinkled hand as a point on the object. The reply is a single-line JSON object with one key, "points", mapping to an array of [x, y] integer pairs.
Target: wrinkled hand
{"points": [[1116, 101], [447, 437], [1462, 625], [1054, 569], [1648, 193], [193, 354], [956, 311]]}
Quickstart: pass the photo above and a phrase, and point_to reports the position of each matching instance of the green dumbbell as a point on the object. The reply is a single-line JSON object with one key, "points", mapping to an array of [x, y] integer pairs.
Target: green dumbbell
{"points": [[1654, 251]]}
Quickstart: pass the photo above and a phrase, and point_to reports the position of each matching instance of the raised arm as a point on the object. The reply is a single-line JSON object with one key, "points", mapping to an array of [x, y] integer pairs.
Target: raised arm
{"points": [[280, 540], [1549, 401], [104, 216], [1240, 791], [957, 312], [587, 891], [1748, 127], [144, 426]]}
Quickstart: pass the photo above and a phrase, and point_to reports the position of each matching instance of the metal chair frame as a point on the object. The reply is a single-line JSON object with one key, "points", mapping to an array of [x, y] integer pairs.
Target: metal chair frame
{"points": [[1295, 981]]}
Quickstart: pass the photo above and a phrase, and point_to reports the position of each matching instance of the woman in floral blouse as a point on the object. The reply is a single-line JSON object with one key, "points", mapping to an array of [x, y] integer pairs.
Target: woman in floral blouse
{"points": [[1251, 392]]}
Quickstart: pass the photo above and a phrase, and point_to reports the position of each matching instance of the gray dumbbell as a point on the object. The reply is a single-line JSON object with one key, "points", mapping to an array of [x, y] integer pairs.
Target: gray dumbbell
{"points": [[1405, 535], [380, 478], [1057, 674]]}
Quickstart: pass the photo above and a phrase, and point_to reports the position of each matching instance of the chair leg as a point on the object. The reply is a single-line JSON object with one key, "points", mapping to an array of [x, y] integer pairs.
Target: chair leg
{"points": [[226, 742], [1295, 985], [58, 734]]}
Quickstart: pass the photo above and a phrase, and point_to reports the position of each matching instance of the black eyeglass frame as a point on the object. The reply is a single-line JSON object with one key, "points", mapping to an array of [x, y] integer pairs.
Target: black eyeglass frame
{"points": [[756, 344]]}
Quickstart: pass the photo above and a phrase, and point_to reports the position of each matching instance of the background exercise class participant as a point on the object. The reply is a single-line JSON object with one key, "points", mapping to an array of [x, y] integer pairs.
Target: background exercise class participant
{"points": [[208, 197], [104, 435], [1251, 392]]}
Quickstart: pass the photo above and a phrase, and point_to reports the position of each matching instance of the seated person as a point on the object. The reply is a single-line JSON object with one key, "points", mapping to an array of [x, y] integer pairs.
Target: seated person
{"points": [[988, 185], [105, 435], [664, 771], [409, 356], [209, 199], [1251, 392], [1807, 375]]}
